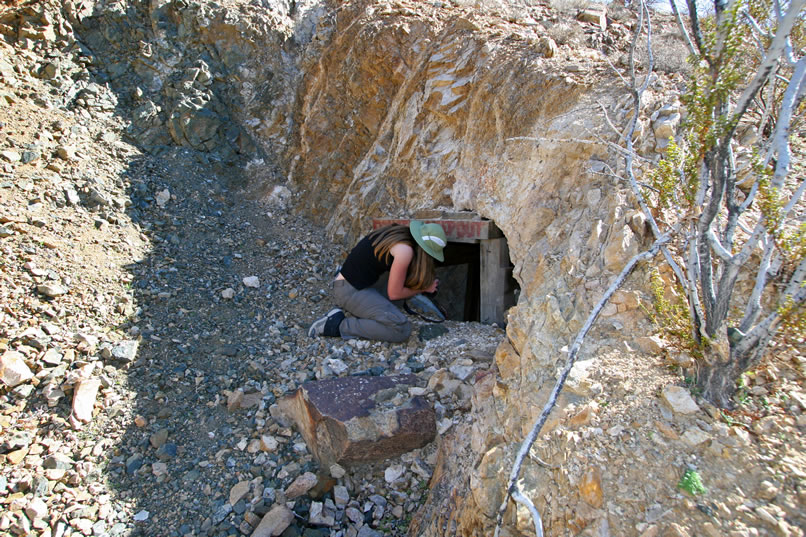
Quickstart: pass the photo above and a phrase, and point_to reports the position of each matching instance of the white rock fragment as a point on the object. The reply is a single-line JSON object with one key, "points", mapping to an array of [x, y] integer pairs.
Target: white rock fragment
{"points": [[337, 471], [392, 473], [159, 468], [679, 400], [13, 370], [251, 281], [36, 508], [341, 495], [51, 289], [162, 197], [228, 293], [84, 395], [52, 357], [320, 516], [141, 516], [268, 443], [125, 351], [337, 366]]}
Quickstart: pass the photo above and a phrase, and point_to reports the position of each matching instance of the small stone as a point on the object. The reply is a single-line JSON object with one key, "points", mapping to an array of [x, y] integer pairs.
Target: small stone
{"points": [[251, 281], [366, 531], [15, 457], [221, 513], [695, 436], [650, 344], [140, 421], [125, 351], [581, 418], [319, 516], [162, 197], [51, 290], [141, 516], [234, 400], [274, 522], [393, 473], [337, 471], [158, 438], [301, 485], [67, 152], [228, 293], [268, 443], [36, 508], [10, 156], [354, 515], [590, 487], [238, 491], [167, 451], [13, 370], [159, 468], [52, 357], [679, 400], [84, 395], [340, 495]]}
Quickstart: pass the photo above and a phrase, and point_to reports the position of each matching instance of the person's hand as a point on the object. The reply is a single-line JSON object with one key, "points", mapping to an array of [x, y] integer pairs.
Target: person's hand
{"points": [[433, 286]]}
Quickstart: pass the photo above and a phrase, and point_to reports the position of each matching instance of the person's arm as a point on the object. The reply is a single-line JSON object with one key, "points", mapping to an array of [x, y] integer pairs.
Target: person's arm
{"points": [[402, 255]]}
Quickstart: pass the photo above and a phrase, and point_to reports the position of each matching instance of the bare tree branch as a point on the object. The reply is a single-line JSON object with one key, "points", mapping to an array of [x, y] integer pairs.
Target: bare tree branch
{"points": [[523, 500], [770, 61], [682, 27]]}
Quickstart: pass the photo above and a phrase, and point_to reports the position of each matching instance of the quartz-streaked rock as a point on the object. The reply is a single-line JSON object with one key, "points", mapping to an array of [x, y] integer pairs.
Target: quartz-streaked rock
{"points": [[354, 419]]}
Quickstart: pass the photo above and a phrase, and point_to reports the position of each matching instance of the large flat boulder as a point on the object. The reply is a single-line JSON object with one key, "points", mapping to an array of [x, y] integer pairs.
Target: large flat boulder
{"points": [[360, 419]]}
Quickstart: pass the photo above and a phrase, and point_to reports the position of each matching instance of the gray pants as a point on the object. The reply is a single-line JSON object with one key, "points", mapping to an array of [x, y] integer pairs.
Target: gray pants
{"points": [[375, 315]]}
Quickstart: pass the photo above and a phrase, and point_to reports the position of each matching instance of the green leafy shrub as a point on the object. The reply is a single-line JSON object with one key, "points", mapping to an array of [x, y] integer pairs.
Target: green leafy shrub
{"points": [[691, 482]]}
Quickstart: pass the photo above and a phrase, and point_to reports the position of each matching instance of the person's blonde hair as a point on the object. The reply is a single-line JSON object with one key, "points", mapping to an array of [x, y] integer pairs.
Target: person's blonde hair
{"points": [[420, 274]]}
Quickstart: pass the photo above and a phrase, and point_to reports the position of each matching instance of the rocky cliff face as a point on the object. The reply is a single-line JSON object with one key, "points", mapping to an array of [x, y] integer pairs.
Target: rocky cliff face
{"points": [[354, 110]]}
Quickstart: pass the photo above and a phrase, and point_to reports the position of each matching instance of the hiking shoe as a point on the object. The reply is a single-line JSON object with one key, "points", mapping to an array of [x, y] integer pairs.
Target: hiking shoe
{"points": [[327, 325]]}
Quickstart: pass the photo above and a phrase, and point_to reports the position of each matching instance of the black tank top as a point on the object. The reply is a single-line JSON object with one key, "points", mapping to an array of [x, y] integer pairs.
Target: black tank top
{"points": [[361, 268]]}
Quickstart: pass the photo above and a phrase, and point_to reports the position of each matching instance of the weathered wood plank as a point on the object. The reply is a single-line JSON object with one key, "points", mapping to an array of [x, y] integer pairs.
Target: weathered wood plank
{"points": [[494, 263]]}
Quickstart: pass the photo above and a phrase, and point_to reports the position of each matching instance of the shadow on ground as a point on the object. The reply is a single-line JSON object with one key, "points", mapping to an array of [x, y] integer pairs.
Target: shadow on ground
{"points": [[184, 450]]}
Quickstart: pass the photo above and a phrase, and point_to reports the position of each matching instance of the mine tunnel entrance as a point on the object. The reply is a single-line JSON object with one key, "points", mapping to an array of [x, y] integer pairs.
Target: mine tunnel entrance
{"points": [[476, 282]]}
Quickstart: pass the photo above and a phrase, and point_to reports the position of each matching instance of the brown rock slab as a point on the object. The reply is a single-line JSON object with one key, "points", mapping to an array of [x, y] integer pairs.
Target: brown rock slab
{"points": [[301, 485], [360, 419]]}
